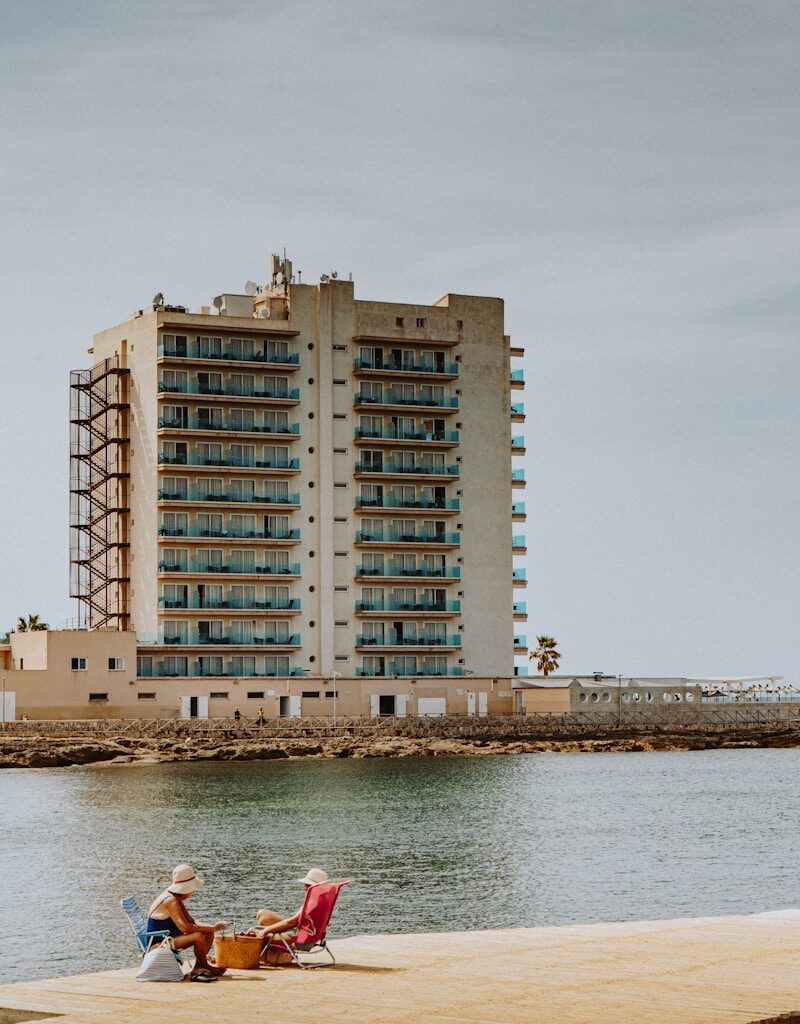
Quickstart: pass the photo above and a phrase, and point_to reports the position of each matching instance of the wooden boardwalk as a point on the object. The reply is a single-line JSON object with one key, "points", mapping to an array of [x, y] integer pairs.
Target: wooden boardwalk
{"points": [[729, 970]]}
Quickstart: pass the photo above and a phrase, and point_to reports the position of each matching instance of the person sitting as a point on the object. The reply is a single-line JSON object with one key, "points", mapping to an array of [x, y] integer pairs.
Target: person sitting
{"points": [[271, 924], [168, 913]]}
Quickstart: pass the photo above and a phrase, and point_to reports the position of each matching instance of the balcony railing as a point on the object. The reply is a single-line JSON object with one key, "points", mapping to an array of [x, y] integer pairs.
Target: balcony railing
{"points": [[392, 397], [229, 462], [393, 605], [520, 641], [517, 376], [400, 673], [197, 671], [518, 443], [518, 540], [389, 466], [396, 537], [393, 434], [520, 608], [228, 533], [517, 408], [196, 639], [236, 497], [518, 476], [518, 508], [407, 366], [194, 568], [520, 575], [228, 391], [192, 350], [198, 423], [443, 505], [392, 639], [391, 569], [290, 604]]}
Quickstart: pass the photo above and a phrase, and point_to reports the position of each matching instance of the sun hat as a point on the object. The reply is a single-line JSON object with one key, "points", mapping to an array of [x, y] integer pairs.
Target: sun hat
{"points": [[184, 880], [315, 876]]}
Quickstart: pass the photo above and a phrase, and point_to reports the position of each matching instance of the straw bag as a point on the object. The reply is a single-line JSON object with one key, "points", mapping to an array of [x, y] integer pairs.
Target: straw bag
{"points": [[241, 952]]}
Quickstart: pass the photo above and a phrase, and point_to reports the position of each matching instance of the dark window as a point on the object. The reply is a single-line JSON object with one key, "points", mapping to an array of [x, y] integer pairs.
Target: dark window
{"points": [[219, 696], [310, 693], [332, 693], [98, 696], [255, 694], [339, 381], [146, 696], [399, 321], [420, 321], [340, 348], [340, 415], [78, 664]]}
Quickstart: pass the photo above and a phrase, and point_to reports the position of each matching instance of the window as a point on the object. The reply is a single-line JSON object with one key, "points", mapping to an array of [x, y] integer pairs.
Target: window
{"points": [[340, 416], [116, 664], [145, 696], [340, 519], [339, 485], [342, 657], [340, 348], [218, 695], [340, 590], [332, 693], [341, 622], [310, 693], [337, 380], [341, 554], [340, 451], [399, 321], [420, 321], [98, 696], [78, 664], [255, 694]]}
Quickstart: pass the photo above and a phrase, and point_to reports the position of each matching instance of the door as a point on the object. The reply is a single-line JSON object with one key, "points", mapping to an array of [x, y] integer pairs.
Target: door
{"points": [[201, 707], [289, 707], [186, 706], [470, 702], [400, 705], [387, 705], [374, 704], [8, 706], [483, 704]]}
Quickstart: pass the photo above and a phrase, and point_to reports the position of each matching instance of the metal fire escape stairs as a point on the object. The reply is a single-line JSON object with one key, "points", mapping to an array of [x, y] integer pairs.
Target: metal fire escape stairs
{"points": [[99, 475]]}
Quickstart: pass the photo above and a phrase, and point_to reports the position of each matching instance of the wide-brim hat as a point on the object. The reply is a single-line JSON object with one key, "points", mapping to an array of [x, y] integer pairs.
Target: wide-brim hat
{"points": [[184, 880], [316, 876]]}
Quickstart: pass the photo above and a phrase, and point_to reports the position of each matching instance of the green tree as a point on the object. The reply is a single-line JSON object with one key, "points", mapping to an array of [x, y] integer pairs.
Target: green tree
{"points": [[547, 657], [31, 624]]}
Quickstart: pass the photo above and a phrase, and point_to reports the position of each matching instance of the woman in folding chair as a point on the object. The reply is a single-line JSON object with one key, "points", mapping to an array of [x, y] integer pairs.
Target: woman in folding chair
{"points": [[168, 913], [273, 924]]}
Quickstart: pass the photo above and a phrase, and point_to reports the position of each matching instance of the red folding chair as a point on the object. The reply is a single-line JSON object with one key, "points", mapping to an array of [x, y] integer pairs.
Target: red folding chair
{"points": [[312, 927]]}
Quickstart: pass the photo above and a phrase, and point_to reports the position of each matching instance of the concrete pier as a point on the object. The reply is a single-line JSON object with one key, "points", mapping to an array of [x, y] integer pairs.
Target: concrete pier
{"points": [[729, 970]]}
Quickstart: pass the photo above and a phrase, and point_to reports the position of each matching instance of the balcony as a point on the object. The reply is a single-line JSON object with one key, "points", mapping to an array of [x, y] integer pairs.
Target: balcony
{"points": [[517, 445], [393, 570], [198, 671], [390, 672], [517, 411], [391, 398], [396, 537], [280, 394], [388, 467], [194, 568], [517, 379], [518, 544], [519, 577], [520, 644], [261, 357], [392, 606], [412, 504], [421, 367], [229, 639], [393, 639], [203, 425], [193, 603], [520, 609], [517, 477], [230, 462], [195, 495], [438, 437], [518, 510], [229, 533]]}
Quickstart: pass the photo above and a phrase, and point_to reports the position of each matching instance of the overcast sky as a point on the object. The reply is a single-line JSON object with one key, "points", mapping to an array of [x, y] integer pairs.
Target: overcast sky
{"points": [[624, 174]]}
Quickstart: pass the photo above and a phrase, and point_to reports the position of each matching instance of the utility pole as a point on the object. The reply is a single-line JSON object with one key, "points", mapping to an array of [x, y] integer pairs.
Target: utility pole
{"points": [[334, 676]]}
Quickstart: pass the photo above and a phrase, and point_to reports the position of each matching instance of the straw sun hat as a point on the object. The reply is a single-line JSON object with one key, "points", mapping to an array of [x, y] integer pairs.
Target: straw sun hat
{"points": [[184, 880], [316, 876]]}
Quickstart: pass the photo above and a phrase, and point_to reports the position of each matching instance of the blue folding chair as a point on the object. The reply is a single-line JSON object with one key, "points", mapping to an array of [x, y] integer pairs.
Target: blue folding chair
{"points": [[144, 938]]}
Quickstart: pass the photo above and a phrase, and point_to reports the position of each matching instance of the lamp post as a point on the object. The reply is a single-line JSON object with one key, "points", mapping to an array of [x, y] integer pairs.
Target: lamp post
{"points": [[334, 676], [4, 700]]}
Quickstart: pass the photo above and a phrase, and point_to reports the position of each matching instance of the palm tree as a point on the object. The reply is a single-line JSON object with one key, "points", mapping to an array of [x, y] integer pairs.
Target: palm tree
{"points": [[31, 624], [547, 657]]}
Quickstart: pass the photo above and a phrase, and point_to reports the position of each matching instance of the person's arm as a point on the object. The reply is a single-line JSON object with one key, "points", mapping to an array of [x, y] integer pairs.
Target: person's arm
{"points": [[282, 926], [187, 924]]}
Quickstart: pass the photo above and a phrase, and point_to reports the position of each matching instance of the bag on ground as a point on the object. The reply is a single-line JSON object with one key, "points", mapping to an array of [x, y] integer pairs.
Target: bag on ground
{"points": [[160, 963]]}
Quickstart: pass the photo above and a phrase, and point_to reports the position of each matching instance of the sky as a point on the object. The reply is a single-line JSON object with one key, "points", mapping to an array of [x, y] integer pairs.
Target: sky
{"points": [[624, 174]]}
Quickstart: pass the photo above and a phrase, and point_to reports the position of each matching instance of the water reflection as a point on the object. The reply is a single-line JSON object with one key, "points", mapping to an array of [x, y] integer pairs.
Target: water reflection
{"points": [[433, 844]]}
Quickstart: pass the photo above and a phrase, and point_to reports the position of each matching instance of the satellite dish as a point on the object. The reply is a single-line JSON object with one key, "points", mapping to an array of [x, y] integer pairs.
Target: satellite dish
{"points": [[250, 288], [158, 299], [217, 303], [279, 278]]}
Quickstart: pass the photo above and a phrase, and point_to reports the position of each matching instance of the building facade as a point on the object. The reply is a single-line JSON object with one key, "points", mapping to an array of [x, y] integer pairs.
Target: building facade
{"points": [[294, 482]]}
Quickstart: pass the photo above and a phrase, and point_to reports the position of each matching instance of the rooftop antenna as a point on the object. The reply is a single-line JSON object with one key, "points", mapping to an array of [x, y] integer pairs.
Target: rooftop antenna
{"points": [[158, 299], [217, 303], [251, 288]]}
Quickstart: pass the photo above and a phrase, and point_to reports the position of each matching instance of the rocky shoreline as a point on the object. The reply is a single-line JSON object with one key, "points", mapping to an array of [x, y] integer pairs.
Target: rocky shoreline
{"points": [[61, 752]]}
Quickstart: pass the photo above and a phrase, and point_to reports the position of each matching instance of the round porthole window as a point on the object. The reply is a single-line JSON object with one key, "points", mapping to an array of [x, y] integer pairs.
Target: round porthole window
{"points": [[666, 697], [583, 698], [678, 698], [626, 698], [689, 698], [648, 697], [595, 698], [606, 698]]}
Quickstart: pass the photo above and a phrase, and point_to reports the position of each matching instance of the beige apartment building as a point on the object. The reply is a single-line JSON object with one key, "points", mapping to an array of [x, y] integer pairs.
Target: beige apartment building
{"points": [[295, 485]]}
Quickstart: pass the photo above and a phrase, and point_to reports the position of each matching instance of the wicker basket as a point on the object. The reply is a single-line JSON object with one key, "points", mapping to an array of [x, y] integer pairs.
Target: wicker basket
{"points": [[240, 952]]}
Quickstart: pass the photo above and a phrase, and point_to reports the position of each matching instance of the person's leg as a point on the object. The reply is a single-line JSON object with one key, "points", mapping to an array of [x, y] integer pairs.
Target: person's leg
{"points": [[201, 944]]}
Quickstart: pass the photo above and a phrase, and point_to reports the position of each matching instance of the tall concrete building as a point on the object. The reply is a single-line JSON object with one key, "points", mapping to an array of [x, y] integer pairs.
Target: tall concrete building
{"points": [[297, 482]]}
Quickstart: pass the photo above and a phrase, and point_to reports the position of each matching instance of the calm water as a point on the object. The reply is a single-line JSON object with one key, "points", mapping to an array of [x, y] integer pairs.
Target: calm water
{"points": [[434, 844]]}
